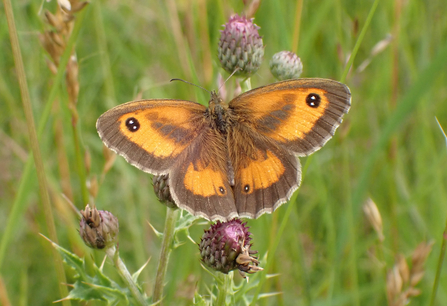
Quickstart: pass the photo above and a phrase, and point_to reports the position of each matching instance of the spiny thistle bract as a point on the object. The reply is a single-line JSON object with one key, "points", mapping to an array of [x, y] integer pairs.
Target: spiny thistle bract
{"points": [[226, 247], [286, 65], [98, 228], [240, 46]]}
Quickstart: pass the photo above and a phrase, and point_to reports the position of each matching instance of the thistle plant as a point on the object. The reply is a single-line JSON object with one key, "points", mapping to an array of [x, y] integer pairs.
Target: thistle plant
{"points": [[161, 188], [240, 46], [286, 65], [55, 59], [98, 228], [226, 247]]}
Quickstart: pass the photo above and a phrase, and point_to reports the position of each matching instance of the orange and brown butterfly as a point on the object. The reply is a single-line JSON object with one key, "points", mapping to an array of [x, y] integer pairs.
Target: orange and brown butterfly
{"points": [[236, 159]]}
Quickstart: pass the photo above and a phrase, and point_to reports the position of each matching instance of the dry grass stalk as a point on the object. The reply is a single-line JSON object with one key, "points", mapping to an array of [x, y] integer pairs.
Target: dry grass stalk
{"points": [[110, 157], [55, 41], [373, 215], [402, 280]]}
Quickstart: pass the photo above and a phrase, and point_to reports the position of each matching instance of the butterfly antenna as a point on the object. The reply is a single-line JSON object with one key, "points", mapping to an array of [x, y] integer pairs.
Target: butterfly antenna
{"points": [[235, 70], [191, 84]]}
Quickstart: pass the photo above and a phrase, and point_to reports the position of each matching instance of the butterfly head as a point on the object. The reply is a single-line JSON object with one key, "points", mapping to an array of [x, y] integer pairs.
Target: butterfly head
{"points": [[215, 100]]}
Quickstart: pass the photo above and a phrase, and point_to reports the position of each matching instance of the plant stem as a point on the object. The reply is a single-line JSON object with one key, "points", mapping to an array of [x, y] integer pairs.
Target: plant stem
{"points": [[19, 205], [439, 267], [113, 254], [297, 25], [443, 248], [223, 285], [246, 84], [43, 185], [80, 164], [359, 40], [166, 248]]}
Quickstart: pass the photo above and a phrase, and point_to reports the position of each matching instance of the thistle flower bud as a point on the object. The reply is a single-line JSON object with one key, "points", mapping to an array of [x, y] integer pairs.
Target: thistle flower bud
{"points": [[240, 46], [226, 247], [98, 228], [286, 65], [161, 188]]}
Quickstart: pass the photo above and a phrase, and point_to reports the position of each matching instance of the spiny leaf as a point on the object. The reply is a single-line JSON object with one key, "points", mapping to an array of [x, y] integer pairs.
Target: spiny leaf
{"points": [[84, 292], [136, 274], [72, 260]]}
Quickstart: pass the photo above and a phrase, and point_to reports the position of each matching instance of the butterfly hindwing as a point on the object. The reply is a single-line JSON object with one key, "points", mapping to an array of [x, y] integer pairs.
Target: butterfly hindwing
{"points": [[302, 115], [200, 180], [151, 134], [266, 174]]}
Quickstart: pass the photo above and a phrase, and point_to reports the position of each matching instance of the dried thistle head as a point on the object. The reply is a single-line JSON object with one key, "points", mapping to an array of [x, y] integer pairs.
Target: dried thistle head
{"points": [[98, 228]]}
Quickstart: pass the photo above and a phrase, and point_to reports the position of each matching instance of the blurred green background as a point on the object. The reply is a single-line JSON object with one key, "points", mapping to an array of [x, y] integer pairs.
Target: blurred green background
{"points": [[389, 147]]}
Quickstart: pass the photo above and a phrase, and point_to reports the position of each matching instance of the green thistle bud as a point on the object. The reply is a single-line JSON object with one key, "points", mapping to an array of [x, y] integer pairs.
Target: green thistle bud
{"points": [[161, 188], [226, 247], [98, 228], [286, 65], [240, 46]]}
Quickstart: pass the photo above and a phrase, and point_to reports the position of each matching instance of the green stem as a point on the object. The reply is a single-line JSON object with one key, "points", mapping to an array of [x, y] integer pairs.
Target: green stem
{"points": [[80, 165], [166, 248], [443, 248], [113, 254], [274, 246], [43, 185], [246, 84], [19, 205], [439, 267], [359, 41], [223, 285]]}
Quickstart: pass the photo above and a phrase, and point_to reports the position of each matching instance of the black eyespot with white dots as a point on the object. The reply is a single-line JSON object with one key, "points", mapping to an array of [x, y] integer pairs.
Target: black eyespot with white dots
{"points": [[222, 190], [247, 188], [132, 124], [313, 100]]}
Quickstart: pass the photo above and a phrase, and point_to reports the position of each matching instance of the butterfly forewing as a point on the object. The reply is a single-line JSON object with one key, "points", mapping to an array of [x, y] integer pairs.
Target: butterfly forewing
{"points": [[151, 134], [302, 114]]}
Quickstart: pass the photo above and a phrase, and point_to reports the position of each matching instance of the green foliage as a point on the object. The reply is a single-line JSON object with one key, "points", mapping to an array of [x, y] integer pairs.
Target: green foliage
{"points": [[98, 287], [320, 246]]}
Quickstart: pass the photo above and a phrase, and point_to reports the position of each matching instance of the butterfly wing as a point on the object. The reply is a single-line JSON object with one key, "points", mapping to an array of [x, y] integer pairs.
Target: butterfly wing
{"points": [[301, 115], [201, 178], [173, 137], [266, 174], [151, 134], [278, 122]]}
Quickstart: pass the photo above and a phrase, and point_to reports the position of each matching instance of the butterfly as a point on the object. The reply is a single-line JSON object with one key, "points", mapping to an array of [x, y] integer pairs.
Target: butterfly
{"points": [[227, 160]]}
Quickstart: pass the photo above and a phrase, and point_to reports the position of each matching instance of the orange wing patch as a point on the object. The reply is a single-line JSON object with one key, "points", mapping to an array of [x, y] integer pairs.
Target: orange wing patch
{"points": [[261, 172], [157, 131], [287, 115], [302, 115], [204, 181]]}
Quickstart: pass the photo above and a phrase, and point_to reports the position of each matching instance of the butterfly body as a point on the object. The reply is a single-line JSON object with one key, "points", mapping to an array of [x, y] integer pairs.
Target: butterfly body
{"points": [[229, 160]]}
